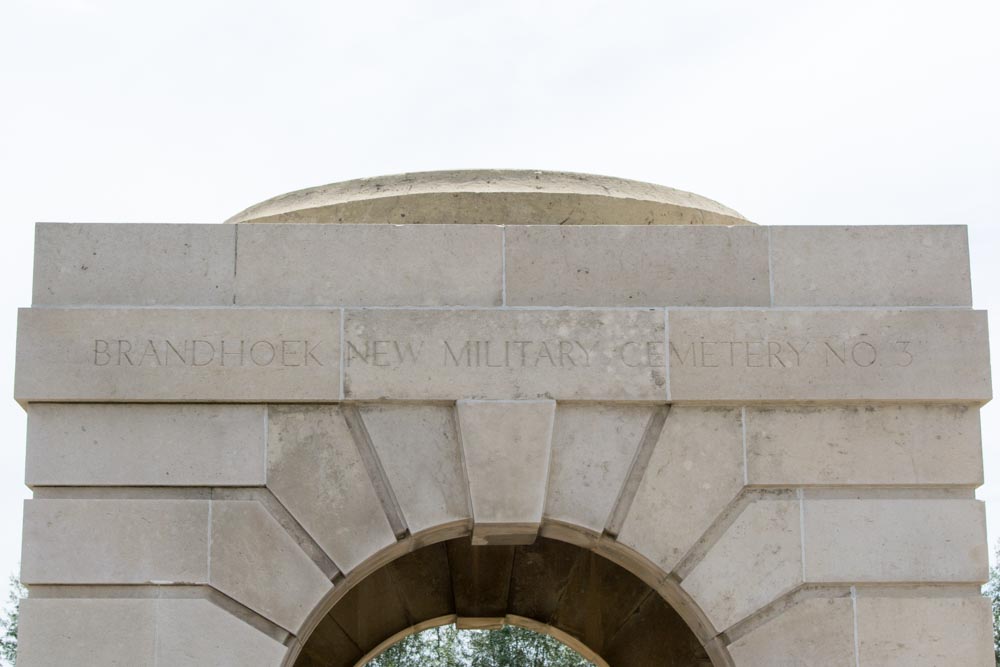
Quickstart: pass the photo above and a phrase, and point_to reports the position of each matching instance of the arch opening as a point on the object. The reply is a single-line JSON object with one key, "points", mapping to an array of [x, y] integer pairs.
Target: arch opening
{"points": [[595, 606]]}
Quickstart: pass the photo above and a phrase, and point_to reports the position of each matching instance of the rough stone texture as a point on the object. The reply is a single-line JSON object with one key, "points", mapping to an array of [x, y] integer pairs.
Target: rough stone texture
{"points": [[758, 559], [884, 445], [110, 633], [512, 354], [871, 266], [419, 450], [637, 266], [255, 562], [122, 355], [750, 355], [507, 446], [196, 633], [360, 265], [133, 264], [593, 447], [141, 541], [815, 632], [145, 445], [493, 196], [930, 632], [904, 540], [695, 471], [315, 470]]}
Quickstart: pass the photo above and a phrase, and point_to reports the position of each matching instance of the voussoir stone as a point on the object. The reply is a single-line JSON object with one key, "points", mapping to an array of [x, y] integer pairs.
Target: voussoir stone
{"points": [[766, 541], [197, 633], [694, 472], [593, 447], [145, 445], [814, 632], [255, 562], [506, 447], [419, 449], [316, 471]]}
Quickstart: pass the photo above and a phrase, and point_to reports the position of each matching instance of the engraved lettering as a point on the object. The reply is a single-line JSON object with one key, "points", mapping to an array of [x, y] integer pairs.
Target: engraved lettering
{"points": [[354, 353], [909, 355], [797, 352], [683, 358], [171, 348], [752, 355], [840, 356], [262, 353], [707, 353], [773, 354], [223, 354], [311, 353], [101, 348], [123, 352], [379, 352], [543, 351], [466, 349], [287, 351], [867, 355]]}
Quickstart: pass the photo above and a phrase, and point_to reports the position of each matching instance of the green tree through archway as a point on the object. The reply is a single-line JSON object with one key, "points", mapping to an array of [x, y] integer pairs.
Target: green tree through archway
{"points": [[509, 646]]}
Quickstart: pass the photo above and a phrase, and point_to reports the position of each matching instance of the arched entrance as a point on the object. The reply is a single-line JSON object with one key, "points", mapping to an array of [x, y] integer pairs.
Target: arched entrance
{"points": [[238, 433], [597, 607]]}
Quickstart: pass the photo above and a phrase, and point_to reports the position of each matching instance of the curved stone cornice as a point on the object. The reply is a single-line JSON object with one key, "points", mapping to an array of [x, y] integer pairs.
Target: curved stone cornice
{"points": [[493, 196]]}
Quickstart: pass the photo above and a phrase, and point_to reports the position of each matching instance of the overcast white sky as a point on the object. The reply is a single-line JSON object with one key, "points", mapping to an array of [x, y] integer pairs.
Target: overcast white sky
{"points": [[830, 113]]}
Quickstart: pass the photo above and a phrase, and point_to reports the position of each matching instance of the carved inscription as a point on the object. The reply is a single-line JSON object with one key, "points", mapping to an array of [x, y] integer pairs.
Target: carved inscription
{"points": [[552, 353], [563, 354], [151, 352], [830, 353]]}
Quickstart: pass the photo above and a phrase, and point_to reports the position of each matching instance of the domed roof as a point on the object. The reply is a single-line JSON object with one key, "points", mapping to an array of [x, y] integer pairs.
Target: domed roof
{"points": [[493, 196]]}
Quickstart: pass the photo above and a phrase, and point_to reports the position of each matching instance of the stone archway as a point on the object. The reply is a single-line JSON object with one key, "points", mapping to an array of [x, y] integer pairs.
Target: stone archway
{"points": [[230, 427]]}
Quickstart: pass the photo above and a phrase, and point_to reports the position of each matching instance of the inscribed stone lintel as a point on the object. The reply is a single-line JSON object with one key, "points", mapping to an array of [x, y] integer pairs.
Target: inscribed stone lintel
{"points": [[295, 355]]}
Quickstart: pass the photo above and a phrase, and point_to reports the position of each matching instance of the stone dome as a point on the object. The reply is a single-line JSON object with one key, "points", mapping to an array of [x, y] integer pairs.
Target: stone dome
{"points": [[492, 196]]}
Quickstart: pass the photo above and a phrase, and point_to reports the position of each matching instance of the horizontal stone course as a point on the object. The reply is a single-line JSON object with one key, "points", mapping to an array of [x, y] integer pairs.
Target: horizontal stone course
{"points": [[133, 264], [856, 540], [829, 355], [924, 632], [814, 631], [294, 355], [358, 265], [207, 354], [608, 265], [886, 265], [116, 633], [139, 632], [883, 445], [77, 541], [504, 354], [145, 445]]}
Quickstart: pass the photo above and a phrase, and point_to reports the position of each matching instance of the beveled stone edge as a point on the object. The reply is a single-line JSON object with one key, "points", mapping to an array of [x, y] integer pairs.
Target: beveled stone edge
{"points": [[484, 184]]}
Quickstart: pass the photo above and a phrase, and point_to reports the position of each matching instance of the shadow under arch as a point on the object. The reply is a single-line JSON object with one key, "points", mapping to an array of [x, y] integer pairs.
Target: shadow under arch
{"points": [[611, 588]]}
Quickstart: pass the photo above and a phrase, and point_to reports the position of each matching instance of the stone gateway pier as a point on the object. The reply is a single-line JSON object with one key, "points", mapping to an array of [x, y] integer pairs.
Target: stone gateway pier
{"points": [[610, 411]]}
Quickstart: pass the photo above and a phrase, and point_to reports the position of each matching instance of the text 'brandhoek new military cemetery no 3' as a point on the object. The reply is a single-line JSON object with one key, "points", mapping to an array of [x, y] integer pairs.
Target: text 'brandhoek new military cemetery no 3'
{"points": [[610, 411]]}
